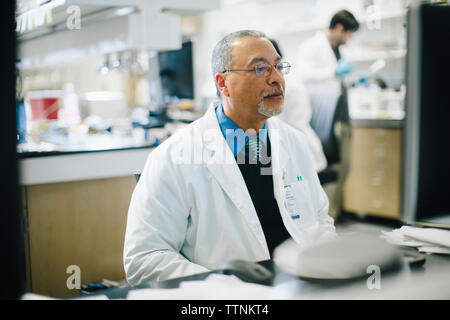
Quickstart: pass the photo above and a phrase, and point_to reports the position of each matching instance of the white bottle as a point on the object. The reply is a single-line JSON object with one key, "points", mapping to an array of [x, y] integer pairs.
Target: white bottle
{"points": [[70, 112]]}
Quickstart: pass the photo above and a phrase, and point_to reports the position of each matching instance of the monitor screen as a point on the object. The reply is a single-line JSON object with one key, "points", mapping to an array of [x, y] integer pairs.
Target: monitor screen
{"points": [[427, 130], [175, 70]]}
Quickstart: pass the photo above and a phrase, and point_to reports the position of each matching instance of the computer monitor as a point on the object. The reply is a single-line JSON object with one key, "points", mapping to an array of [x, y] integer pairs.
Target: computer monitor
{"points": [[176, 72], [426, 175], [12, 266]]}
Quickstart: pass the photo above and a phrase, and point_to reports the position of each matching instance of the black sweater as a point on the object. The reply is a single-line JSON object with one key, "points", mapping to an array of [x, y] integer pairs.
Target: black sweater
{"points": [[261, 192]]}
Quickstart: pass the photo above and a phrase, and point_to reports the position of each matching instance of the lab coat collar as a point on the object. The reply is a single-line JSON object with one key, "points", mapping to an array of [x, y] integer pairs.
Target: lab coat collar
{"points": [[226, 125], [279, 155], [220, 153]]}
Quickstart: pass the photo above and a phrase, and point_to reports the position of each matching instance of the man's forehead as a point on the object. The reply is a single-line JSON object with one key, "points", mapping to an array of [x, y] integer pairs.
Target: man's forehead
{"points": [[252, 49]]}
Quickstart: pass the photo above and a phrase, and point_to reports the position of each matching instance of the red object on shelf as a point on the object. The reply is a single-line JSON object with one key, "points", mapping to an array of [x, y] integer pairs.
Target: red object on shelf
{"points": [[44, 104]]}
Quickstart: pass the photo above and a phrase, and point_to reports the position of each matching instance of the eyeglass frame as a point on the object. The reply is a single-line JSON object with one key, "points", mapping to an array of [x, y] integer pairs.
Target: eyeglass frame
{"points": [[269, 72]]}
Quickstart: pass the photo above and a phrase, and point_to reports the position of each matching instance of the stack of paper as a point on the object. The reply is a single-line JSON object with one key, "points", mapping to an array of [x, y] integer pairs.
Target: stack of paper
{"points": [[428, 240]]}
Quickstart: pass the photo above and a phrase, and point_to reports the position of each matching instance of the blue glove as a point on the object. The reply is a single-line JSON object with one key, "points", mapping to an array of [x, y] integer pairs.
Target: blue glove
{"points": [[363, 80], [344, 67]]}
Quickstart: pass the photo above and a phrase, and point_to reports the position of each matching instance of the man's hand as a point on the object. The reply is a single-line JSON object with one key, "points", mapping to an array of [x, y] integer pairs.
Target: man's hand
{"points": [[344, 67]]}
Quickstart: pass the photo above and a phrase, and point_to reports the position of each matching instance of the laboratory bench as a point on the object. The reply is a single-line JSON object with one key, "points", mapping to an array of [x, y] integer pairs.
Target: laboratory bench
{"points": [[66, 166], [75, 208], [75, 199]]}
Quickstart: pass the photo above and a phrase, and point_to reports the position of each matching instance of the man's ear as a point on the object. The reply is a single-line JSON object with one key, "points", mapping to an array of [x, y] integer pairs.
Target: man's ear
{"points": [[339, 27], [221, 83]]}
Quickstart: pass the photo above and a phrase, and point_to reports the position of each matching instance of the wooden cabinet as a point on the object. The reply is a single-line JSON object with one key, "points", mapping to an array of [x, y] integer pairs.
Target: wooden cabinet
{"points": [[373, 184], [78, 223]]}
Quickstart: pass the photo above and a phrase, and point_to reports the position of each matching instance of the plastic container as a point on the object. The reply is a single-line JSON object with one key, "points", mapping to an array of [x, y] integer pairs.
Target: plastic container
{"points": [[45, 104]]}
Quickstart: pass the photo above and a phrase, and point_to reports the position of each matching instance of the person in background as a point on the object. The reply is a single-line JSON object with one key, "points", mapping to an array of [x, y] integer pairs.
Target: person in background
{"points": [[234, 184], [297, 113], [323, 72]]}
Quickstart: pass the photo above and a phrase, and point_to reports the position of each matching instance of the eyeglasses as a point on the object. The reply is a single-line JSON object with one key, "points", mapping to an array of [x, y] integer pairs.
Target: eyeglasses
{"points": [[263, 69]]}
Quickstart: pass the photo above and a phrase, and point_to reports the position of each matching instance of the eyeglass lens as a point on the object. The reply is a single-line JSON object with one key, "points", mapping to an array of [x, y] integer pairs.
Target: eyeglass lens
{"points": [[264, 70]]}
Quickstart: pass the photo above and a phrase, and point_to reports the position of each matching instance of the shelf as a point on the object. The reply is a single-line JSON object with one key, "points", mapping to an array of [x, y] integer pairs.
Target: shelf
{"points": [[315, 26], [92, 14], [374, 55]]}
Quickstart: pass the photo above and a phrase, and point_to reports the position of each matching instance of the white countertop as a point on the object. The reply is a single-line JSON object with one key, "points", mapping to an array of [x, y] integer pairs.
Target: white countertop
{"points": [[82, 166]]}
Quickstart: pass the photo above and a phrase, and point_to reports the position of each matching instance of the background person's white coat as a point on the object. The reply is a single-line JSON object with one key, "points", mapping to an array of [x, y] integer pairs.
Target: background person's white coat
{"points": [[317, 67], [297, 113], [317, 62]]}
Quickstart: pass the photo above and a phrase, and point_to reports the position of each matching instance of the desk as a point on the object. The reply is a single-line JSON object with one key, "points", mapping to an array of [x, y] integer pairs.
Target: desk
{"points": [[435, 265], [426, 278], [429, 281]]}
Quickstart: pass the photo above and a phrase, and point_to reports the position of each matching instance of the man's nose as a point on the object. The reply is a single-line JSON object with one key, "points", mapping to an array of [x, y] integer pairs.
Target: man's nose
{"points": [[275, 78]]}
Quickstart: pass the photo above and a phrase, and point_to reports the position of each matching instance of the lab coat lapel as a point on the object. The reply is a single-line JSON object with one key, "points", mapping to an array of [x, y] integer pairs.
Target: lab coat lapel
{"points": [[223, 167], [280, 162], [281, 157], [279, 152]]}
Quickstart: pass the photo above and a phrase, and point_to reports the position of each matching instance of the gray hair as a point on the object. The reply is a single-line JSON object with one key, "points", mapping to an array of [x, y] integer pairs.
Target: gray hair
{"points": [[221, 56]]}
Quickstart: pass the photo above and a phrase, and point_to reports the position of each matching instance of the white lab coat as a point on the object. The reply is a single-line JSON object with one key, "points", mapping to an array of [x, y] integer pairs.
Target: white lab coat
{"points": [[317, 64], [191, 211], [317, 67], [297, 113]]}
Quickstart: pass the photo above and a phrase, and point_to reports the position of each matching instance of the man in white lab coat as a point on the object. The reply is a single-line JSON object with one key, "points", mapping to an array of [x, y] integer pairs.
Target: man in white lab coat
{"points": [[232, 185], [323, 71]]}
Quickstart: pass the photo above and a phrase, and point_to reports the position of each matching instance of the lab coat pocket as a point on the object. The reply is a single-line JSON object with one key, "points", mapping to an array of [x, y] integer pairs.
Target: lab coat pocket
{"points": [[298, 203]]}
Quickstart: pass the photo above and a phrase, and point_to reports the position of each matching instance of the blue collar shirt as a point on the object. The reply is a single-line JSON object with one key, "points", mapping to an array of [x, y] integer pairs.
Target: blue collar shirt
{"points": [[235, 137]]}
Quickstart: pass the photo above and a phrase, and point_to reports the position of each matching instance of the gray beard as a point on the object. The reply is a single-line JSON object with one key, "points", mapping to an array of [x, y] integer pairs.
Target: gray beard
{"points": [[268, 112]]}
